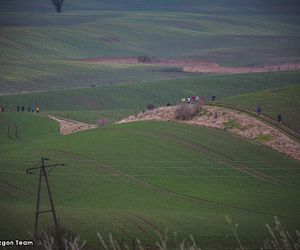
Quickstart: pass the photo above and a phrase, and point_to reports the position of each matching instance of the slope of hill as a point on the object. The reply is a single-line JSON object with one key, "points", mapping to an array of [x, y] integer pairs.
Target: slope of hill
{"points": [[119, 101], [39, 51], [284, 101], [233, 121], [129, 179]]}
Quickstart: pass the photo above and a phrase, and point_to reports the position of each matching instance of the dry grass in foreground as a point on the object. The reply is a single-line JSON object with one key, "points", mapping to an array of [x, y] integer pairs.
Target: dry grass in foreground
{"points": [[279, 239]]}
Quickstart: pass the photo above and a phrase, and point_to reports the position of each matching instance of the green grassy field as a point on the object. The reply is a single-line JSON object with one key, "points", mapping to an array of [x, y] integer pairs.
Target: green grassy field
{"points": [[119, 101], [284, 101], [130, 179], [38, 49]]}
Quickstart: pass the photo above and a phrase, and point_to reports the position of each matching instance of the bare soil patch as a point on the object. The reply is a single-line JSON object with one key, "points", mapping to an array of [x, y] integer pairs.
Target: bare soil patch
{"points": [[233, 121], [69, 126], [196, 66]]}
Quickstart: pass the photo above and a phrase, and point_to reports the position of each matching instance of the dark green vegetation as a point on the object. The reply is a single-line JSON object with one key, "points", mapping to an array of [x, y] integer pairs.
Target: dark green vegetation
{"points": [[131, 179], [119, 101], [39, 48], [231, 6], [284, 101]]}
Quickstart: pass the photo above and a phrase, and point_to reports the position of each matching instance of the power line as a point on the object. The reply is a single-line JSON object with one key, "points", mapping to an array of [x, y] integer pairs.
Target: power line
{"points": [[43, 173]]}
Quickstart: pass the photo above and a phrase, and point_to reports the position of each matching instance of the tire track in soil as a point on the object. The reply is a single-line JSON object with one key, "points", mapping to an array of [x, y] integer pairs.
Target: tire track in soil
{"points": [[17, 188], [214, 155], [153, 226], [165, 191], [8, 133], [12, 132], [133, 222], [16, 131]]}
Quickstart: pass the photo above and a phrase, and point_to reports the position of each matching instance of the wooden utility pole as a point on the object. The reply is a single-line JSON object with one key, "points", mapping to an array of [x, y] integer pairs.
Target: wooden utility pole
{"points": [[43, 173]]}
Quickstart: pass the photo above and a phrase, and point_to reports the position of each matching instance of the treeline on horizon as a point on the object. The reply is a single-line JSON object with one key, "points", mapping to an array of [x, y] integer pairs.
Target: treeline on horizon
{"points": [[219, 6]]}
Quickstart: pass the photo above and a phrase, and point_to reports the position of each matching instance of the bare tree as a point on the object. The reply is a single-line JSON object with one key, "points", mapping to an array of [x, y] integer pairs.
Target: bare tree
{"points": [[58, 4]]}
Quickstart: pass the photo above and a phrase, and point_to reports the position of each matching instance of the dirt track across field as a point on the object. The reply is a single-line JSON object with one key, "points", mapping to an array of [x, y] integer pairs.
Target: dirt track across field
{"points": [[69, 126], [233, 121], [197, 66]]}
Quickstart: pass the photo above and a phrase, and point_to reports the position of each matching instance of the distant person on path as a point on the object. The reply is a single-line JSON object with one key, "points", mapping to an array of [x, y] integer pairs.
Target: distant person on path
{"points": [[18, 108], [29, 108], [193, 99], [202, 100], [197, 98], [168, 104], [213, 98], [189, 100], [259, 110], [183, 99], [279, 118], [23, 108], [37, 108], [32, 109]]}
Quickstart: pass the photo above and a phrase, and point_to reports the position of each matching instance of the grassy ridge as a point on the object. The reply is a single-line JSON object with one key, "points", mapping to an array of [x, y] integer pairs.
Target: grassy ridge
{"points": [[284, 101], [164, 173], [37, 49], [118, 101]]}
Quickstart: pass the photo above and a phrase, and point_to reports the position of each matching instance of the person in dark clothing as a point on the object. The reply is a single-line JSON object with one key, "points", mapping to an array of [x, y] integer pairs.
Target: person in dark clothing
{"points": [[259, 110], [213, 98], [29, 109], [168, 104], [23, 108], [279, 118], [18, 108]]}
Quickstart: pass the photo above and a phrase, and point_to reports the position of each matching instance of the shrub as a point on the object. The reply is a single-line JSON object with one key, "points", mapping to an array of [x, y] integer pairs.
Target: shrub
{"points": [[147, 59], [150, 106], [102, 122], [64, 240], [185, 112], [263, 138]]}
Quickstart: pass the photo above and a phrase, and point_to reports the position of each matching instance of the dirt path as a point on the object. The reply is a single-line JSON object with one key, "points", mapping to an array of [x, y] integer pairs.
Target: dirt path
{"points": [[70, 126], [197, 66], [233, 121]]}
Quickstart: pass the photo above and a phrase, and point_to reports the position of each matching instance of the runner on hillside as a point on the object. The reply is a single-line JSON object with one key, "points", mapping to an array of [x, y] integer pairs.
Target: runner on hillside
{"points": [[279, 118], [29, 108], [23, 108], [37, 108], [213, 98], [258, 109], [202, 100], [18, 108]]}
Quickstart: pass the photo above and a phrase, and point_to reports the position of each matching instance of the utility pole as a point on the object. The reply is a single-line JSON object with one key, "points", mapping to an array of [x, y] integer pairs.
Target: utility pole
{"points": [[43, 173]]}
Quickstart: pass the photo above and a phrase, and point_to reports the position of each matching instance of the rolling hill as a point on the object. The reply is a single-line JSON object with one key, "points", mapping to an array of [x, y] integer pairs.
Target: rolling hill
{"points": [[283, 101], [130, 179], [40, 50], [118, 101]]}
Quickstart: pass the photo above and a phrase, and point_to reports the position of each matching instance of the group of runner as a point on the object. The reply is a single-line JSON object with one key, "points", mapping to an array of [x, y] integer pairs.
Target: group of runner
{"points": [[34, 108], [197, 99], [201, 100], [259, 111]]}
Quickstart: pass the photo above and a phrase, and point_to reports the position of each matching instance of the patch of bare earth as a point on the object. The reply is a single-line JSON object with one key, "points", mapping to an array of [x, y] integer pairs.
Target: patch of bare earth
{"points": [[70, 126], [197, 66], [233, 121]]}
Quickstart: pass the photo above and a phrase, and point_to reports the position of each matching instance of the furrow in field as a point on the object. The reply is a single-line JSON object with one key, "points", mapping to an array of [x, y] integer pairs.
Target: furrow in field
{"points": [[149, 186]]}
